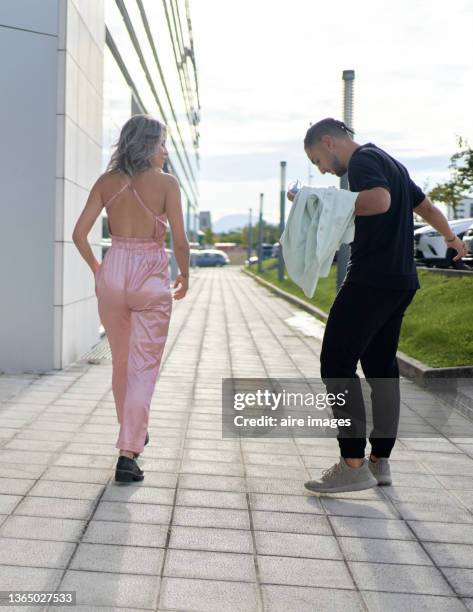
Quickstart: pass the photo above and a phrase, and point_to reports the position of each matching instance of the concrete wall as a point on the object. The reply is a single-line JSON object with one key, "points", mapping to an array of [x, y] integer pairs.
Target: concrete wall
{"points": [[79, 124], [51, 59]]}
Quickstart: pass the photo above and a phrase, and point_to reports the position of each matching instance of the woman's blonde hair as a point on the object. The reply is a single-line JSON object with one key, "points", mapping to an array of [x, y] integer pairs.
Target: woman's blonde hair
{"points": [[137, 142]]}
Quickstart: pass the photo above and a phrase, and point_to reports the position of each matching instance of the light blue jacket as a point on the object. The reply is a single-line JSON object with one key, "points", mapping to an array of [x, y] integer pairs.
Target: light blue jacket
{"points": [[320, 220]]}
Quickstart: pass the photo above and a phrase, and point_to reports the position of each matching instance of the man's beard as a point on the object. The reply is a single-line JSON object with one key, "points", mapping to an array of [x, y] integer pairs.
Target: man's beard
{"points": [[338, 168]]}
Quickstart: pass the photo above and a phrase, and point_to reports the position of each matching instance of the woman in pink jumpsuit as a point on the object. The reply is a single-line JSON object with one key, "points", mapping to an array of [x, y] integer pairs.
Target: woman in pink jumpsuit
{"points": [[132, 284]]}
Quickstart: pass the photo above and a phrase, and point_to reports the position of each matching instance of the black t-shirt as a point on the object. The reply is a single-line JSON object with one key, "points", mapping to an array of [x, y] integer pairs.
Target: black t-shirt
{"points": [[382, 252]]}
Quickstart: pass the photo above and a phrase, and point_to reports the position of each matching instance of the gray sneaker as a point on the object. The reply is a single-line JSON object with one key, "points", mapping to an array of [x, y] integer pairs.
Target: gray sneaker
{"points": [[381, 470], [341, 477]]}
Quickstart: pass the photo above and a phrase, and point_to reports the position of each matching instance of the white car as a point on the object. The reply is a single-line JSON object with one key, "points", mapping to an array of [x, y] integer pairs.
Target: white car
{"points": [[431, 249], [468, 240]]}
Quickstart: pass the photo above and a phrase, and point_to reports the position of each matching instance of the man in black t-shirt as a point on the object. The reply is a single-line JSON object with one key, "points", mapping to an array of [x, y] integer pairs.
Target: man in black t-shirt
{"points": [[365, 319]]}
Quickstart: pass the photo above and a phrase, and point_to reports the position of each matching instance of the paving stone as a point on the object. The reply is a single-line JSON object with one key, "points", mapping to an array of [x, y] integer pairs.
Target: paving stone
{"points": [[254, 470], [211, 482], [460, 579], [210, 595], [8, 503], [297, 545], [275, 486], [42, 528], [394, 602], [291, 522], [286, 503], [432, 512], [133, 513], [98, 461], [14, 578], [20, 470], [282, 598], [20, 456], [54, 506], [126, 534], [143, 494], [383, 551], [15, 486], [304, 572], [438, 531], [215, 499], [108, 589], [367, 509], [71, 490], [455, 482], [34, 445], [399, 578], [451, 555], [420, 495], [77, 474], [210, 538], [121, 559], [35, 553], [211, 517], [388, 529], [209, 565], [212, 467], [212, 455]]}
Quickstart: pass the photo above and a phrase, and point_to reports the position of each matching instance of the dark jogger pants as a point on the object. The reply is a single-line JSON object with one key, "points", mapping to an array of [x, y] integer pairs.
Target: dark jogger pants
{"points": [[364, 324]]}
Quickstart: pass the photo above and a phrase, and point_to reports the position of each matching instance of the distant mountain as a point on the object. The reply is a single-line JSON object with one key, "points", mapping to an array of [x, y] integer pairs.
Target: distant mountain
{"points": [[231, 222]]}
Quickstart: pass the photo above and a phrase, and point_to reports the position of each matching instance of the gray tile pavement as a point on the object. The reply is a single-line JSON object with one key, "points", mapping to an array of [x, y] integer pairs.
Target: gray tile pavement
{"points": [[225, 524]]}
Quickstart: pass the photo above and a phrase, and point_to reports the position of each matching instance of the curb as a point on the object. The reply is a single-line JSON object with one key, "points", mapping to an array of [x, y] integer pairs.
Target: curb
{"points": [[446, 271], [409, 367]]}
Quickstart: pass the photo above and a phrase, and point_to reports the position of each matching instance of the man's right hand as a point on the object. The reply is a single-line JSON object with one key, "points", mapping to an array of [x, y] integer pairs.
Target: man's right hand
{"points": [[459, 246], [290, 196]]}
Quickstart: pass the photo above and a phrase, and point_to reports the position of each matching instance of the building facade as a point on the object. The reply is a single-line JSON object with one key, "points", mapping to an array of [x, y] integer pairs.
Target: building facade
{"points": [[463, 210], [73, 72], [205, 220]]}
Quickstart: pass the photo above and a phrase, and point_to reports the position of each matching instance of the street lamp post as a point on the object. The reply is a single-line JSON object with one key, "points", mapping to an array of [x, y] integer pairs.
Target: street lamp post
{"points": [[260, 233], [343, 253], [250, 236], [282, 216]]}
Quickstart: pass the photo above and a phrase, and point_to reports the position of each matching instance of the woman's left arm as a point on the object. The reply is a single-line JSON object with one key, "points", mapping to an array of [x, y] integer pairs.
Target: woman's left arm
{"points": [[84, 224]]}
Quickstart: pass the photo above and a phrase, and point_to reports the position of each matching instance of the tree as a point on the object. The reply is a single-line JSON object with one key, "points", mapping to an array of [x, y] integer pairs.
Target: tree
{"points": [[449, 193], [209, 236], [462, 165]]}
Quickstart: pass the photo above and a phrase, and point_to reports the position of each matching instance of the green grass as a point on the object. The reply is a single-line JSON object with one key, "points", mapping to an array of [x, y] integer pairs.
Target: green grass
{"points": [[437, 327]]}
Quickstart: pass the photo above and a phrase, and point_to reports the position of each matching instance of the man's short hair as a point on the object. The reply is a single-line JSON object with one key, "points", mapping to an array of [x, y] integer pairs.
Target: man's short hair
{"points": [[326, 127]]}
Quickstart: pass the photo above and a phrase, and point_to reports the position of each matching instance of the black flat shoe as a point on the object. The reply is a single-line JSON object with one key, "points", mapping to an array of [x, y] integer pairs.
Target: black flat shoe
{"points": [[127, 470], [136, 455]]}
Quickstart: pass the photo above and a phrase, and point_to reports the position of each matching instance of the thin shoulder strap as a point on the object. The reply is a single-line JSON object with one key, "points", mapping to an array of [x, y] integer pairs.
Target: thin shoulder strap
{"points": [[138, 197], [127, 184]]}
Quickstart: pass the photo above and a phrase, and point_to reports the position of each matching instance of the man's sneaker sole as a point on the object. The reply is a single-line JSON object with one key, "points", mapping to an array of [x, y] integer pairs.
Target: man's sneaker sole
{"points": [[127, 476], [383, 482], [382, 479], [358, 486]]}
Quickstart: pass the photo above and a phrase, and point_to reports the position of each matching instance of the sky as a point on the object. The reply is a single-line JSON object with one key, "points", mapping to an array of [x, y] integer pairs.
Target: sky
{"points": [[267, 68]]}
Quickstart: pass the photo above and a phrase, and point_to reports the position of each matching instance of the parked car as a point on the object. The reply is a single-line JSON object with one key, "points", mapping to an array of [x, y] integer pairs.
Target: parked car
{"points": [[267, 250], [430, 248], [418, 225], [211, 257], [252, 260], [275, 250], [468, 240]]}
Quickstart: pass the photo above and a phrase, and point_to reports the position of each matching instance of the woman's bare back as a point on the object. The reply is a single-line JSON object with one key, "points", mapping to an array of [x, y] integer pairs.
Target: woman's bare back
{"points": [[125, 214]]}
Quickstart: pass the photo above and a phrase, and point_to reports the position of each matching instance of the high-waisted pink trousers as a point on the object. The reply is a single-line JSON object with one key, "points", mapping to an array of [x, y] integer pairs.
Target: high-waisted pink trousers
{"points": [[135, 304]]}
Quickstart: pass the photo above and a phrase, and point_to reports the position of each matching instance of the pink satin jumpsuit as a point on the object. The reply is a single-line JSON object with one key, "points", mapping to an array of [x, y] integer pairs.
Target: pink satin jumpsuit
{"points": [[135, 304]]}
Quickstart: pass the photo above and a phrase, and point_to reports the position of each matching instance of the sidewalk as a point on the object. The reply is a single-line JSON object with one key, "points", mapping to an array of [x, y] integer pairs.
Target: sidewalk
{"points": [[223, 524]]}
